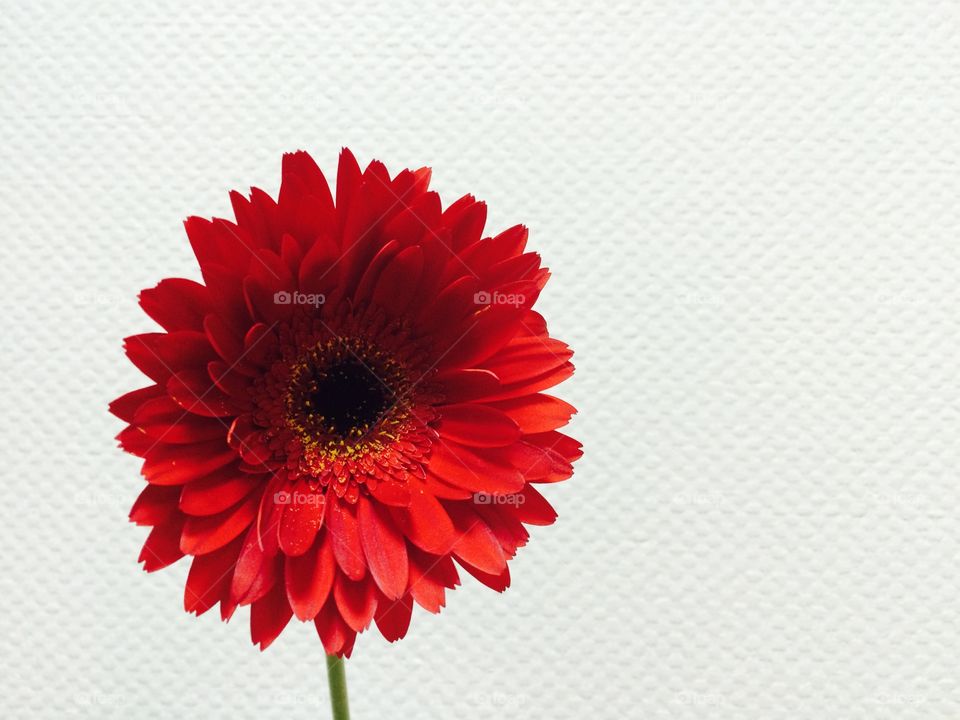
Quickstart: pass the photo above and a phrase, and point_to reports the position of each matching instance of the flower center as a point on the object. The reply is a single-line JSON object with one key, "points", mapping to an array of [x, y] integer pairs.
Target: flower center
{"points": [[340, 391], [339, 411], [345, 399]]}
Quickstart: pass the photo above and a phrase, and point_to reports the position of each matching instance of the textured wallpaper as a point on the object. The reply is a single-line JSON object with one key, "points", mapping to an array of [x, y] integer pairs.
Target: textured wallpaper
{"points": [[750, 211]]}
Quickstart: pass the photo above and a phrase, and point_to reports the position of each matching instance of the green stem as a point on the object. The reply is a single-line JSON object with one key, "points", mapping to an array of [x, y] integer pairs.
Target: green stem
{"points": [[337, 677]]}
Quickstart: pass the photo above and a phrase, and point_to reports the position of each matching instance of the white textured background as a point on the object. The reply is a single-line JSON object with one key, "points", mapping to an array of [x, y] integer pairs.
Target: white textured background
{"points": [[751, 211]]}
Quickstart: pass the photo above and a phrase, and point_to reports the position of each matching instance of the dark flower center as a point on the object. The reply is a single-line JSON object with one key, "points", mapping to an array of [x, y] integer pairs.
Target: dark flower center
{"points": [[345, 399], [348, 398]]}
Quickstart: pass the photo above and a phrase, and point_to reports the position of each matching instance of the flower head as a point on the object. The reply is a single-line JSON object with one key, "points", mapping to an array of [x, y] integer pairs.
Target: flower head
{"points": [[348, 407]]}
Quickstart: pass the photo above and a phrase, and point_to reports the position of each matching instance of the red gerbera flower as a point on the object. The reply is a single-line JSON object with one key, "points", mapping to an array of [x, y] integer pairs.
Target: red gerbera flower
{"points": [[349, 406]]}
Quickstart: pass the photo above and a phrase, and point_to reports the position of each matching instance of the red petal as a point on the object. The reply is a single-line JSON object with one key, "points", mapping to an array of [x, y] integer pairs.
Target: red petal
{"points": [[257, 344], [503, 523], [305, 197], [447, 314], [398, 281], [414, 222], [162, 547], [390, 493], [209, 578], [537, 413], [457, 208], [292, 254], [309, 578], [357, 601], [176, 304], [384, 547], [301, 165], [429, 577], [426, 523], [476, 544], [372, 271], [487, 331], [348, 181], [159, 355], [441, 569], [194, 391], [163, 420], [248, 440], [393, 617], [226, 296], [498, 582], [231, 380], [336, 636], [528, 357], [466, 385], [534, 323], [135, 441], [465, 217], [126, 406], [268, 516], [469, 226], [301, 519], [155, 505], [178, 464], [318, 271], [465, 468], [263, 298], [255, 216], [510, 242], [269, 616], [521, 267], [368, 211], [564, 445], [206, 534], [345, 538], [477, 425], [543, 466], [545, 458], [218, 242], [217, 492], [543, 381], [223, 338], [439, 489], [534, 510], [257, 568]]}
